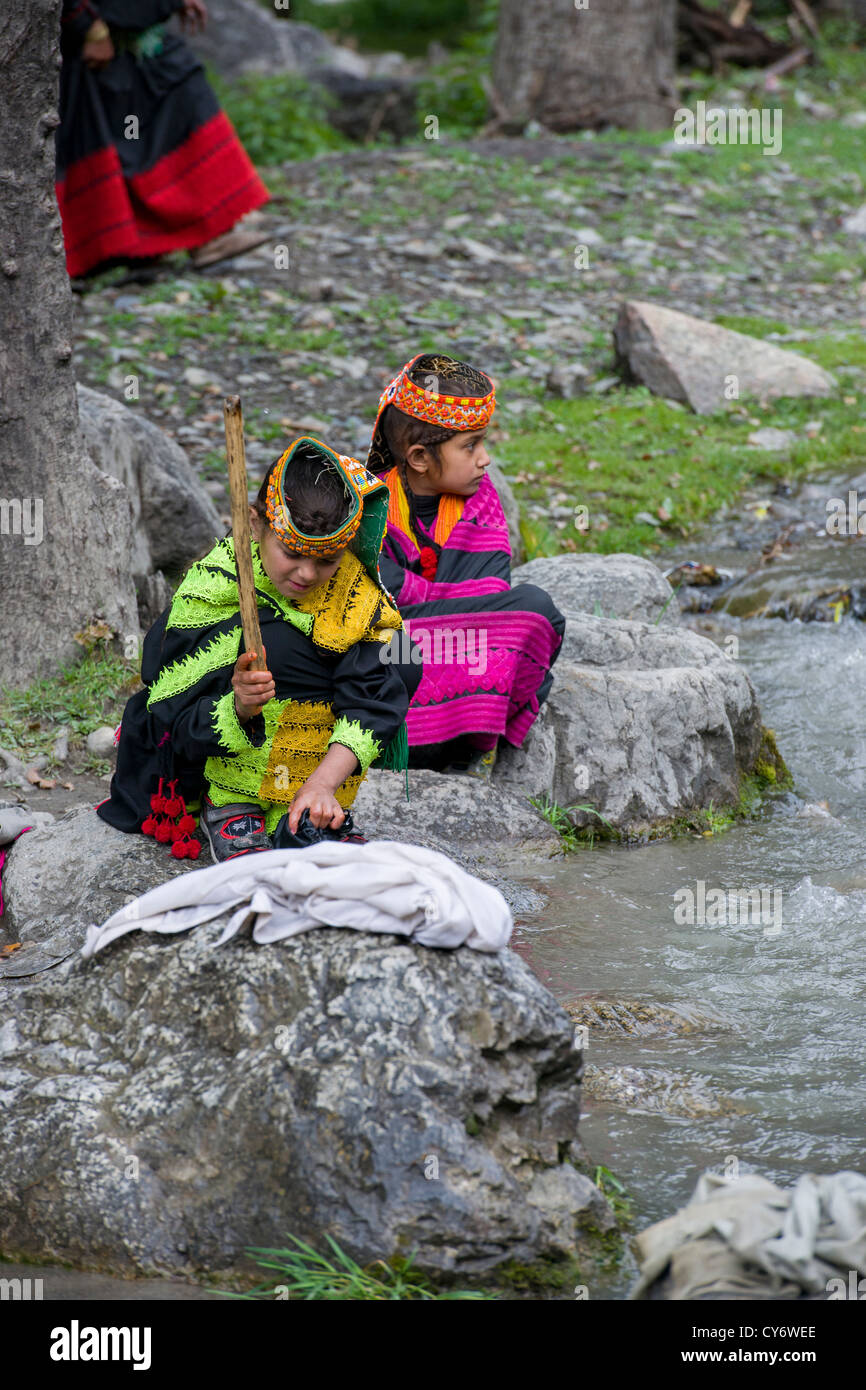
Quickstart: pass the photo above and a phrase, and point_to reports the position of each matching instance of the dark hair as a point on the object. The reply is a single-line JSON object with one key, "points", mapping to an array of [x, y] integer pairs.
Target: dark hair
{"points": [[317, 497], [402, 431]]}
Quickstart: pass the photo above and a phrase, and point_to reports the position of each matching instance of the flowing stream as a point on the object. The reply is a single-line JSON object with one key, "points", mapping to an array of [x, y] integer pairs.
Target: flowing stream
{"points": [[770, 1075]]}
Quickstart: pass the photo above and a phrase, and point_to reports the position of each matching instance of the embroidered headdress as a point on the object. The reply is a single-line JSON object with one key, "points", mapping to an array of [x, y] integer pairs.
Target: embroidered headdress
{"points": [[421, 390], [364, 526]]}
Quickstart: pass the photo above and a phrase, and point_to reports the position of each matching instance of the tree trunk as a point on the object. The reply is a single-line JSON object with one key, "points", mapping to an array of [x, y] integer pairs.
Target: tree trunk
{"points": [[65, 527], [611, 63]]}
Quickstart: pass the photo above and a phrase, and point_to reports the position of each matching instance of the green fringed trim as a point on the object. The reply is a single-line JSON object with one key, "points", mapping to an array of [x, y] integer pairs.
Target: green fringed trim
{"points": [[183, 674], [396, 756], [360, 741]]}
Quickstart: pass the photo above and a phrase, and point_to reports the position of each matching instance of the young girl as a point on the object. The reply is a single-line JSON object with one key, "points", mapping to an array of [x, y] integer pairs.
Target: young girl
{"points": [[487, 648], [276, 757]]}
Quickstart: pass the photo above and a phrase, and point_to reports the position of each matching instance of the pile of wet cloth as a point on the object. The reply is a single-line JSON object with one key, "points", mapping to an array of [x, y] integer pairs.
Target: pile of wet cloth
{"points": [[746, 1238], [383, 886]]}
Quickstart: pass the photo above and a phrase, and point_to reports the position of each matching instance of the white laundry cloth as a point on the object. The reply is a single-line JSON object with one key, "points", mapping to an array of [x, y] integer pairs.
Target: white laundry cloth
{"points": [[742, 1233], [382, 886]]}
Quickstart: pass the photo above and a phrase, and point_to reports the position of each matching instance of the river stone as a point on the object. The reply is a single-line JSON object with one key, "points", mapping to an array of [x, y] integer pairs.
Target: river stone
{"points": [[657, 1091], [168, 1105], [101, 742], [646, 1019], [61, 877], [453, 813], [642, 724], [686, 359], [174, 519], [612, 586]]}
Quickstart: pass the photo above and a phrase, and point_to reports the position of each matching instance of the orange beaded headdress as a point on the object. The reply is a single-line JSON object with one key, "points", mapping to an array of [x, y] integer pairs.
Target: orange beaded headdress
{"points": [[421, 390], [357, 482]]}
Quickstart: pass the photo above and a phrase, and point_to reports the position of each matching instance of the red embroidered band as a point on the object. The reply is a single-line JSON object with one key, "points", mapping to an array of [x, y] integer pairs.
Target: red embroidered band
{"points": [[428, 403]]}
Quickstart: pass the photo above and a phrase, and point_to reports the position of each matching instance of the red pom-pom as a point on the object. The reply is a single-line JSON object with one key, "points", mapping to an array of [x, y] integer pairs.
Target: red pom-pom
{"points": [[148, 826], [193, 849], [179, 849], [186, 824], [429, 562], [176, 833], [157, 803], [173, 806], [163, 833]]}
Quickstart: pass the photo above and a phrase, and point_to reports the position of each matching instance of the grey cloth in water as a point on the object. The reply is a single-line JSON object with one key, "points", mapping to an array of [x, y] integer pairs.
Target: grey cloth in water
{"points": [[747, 1238]]}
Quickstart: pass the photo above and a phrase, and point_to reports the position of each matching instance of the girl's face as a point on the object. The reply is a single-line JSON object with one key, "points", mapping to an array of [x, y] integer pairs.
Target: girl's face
{"points": [[292, 574], [464, 461]]}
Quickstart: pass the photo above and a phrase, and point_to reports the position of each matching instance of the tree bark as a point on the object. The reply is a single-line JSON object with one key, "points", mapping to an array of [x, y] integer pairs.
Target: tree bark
{"points": [[611, 63], [65, 527]]}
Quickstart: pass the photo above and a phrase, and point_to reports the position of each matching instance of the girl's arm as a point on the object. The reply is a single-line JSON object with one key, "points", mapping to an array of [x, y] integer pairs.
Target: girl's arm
{"points": [[370, 704], [191, 692]]}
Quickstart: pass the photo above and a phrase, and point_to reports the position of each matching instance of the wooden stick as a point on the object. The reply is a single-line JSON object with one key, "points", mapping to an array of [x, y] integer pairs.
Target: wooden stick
{"points": [[238, 491]]}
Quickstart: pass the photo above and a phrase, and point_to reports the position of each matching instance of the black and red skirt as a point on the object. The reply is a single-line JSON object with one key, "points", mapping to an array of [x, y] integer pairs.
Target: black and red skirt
{"points": [[147, 162]]}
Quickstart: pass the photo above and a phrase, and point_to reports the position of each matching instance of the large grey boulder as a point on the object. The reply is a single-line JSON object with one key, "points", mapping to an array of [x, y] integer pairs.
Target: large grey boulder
{"points": [[174, 519], [610, 586], [167, 1105], [643, 723], [686, 359], [368, 95], [242, 36]]}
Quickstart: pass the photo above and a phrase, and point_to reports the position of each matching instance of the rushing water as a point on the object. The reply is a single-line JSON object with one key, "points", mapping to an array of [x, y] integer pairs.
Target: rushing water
{"points": [[793, 1056]]}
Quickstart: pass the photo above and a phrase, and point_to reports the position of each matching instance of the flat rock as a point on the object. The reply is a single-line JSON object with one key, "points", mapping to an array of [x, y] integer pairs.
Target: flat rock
{"points": [[613, 586], [687, 359], [63, 876], [454, 814], [646, 1019], [773, 439]]}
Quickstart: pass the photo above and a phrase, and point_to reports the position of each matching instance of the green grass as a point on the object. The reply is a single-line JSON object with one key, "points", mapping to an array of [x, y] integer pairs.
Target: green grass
{"points": [[572, 836], [392, 24], [279, 117], [83, 696], [619, 1199], [303, 1273], [629, 452]]}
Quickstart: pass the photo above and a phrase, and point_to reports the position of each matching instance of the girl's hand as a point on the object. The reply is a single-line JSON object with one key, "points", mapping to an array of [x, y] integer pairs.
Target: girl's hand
{"points": [[193, 16], [316, 797], [97, 53], [252, 689]]}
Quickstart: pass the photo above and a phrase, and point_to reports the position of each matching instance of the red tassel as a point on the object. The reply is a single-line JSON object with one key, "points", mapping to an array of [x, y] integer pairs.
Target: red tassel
{"points": [[163, 833], [429, 562], [193, 849], [178, 849], [148, 826], [173, 804], [186, 824]]}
